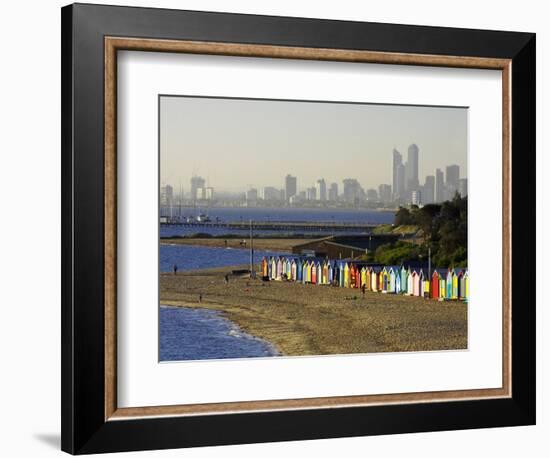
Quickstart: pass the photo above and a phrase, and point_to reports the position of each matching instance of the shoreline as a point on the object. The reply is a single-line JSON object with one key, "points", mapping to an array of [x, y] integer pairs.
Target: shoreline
{"points": [[301, 320], [274, 351], [279, 245]]}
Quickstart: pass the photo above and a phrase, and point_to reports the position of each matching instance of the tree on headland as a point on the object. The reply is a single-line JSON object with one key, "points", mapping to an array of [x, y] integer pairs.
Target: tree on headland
{"points": [[395, 253], [444, 229], [452, 232], [403, 217]]}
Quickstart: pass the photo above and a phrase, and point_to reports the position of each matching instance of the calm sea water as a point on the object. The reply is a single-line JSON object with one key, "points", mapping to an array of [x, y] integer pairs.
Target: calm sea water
{"points": [[188, 257], [195, 334], [275, 214]]}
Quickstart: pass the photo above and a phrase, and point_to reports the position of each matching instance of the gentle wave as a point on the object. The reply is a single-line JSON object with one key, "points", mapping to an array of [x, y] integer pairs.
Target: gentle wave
{"points": [[188, 334]]}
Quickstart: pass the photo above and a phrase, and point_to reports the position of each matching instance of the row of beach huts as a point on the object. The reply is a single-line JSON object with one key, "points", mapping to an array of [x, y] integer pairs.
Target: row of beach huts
{"points": [[440, 284]]}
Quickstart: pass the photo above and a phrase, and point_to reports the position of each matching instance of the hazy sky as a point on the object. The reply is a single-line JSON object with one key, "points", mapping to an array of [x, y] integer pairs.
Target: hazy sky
{"points": [[236, 143]]}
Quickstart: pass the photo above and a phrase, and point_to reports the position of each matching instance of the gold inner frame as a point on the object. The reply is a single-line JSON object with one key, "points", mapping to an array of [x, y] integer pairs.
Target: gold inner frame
{"points": [[114, 44]]}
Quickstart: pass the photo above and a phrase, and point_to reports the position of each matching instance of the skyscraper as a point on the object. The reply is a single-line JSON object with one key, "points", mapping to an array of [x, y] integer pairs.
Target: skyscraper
{"points": [[270, 193], [384, 193], [452, 175], [399, 192], [290, 186], [204, 193], [411, 171], [463, 187], [397, 177], [252, 195], [439, 193], [428, 190], [196, 183], [311, 193], [333, 192], [166, 195], [321, 186], [416, 197], [372, 195], [352, 190]]}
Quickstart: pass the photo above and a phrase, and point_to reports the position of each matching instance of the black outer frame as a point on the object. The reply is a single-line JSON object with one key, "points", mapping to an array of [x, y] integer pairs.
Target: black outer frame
{"points": [[84, 429]]}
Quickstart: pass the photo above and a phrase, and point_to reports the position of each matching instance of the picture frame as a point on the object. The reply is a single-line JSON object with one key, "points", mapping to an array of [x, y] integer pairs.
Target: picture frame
{"points": [[92, 35]]}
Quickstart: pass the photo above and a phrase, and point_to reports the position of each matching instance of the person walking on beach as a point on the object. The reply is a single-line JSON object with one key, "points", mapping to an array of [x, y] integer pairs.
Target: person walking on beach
{"points": [[175, 269], [363, 289], [200, 297]]}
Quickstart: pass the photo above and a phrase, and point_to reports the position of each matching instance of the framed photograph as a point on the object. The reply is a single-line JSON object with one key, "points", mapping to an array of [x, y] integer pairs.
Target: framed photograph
{"points": [[282, 228]]}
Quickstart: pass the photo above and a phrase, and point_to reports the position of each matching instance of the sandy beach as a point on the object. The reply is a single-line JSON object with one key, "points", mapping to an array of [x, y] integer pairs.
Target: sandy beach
{"points": [[318, 320]]}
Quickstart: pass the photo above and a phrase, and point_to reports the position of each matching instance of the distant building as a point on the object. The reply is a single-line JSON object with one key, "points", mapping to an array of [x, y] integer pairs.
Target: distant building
{"points": [[311, 193], [411, 169], [452, 176], [384, 193], [252, 195], [352, 190], [428, 190], [439, 193], [372, 195], [463, 187], [416, 197], [269, 193], [321, 187], [166, 195], [204, 193], [291, 186], [398, 175], [333, 192], [401, 192], [196, 183], [297, 199]]}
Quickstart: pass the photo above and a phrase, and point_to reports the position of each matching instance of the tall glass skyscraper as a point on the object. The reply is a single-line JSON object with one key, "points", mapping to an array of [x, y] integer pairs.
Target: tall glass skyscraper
{"points": [[291, 186], [412, 182]]}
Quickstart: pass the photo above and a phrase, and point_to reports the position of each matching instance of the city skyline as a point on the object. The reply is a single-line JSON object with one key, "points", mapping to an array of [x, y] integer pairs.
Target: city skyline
{"points": [[237, 144], [435, 189]]}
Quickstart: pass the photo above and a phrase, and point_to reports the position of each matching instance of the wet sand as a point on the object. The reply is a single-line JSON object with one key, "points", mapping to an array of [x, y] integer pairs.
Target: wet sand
{"points": [[319, 320]]}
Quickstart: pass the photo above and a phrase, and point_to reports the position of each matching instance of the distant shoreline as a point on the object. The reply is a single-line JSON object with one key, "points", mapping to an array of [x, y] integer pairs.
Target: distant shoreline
{"points": [[267, 207], [279, 245]]}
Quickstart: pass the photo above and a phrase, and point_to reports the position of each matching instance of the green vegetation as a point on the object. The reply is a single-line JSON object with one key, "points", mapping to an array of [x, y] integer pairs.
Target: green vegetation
{"points": [[395, 253], [407, 229], [443, 228]]}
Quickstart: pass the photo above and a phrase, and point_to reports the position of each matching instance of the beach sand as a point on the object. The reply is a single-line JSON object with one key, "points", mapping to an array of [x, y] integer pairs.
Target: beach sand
{"points": [[319, 320]]}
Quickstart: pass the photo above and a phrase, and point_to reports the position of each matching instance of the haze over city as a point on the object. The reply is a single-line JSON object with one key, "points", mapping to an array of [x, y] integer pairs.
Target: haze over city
{"points": [[239, 145]]}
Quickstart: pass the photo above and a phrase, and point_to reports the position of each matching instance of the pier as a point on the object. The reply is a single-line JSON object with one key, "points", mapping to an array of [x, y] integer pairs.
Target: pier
{"points": [[280, 225]]}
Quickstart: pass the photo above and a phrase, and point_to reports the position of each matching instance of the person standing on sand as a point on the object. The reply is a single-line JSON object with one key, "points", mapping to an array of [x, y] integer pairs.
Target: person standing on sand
{"points": [[175, 269], [200, 297], [363, 289]]}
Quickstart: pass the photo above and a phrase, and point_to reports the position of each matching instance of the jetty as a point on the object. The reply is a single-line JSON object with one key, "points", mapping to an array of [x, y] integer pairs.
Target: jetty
{"points": [[280, 225]]}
